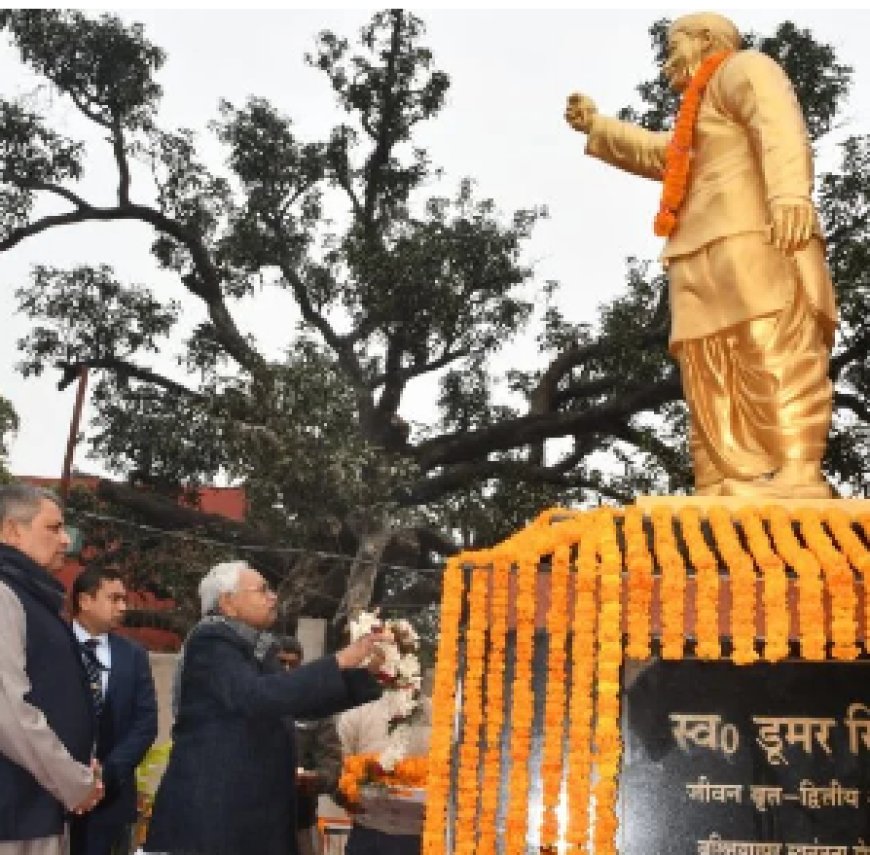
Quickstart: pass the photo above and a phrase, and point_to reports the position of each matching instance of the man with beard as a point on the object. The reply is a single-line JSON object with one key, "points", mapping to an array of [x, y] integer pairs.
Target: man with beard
{"points": [[752, 304]]}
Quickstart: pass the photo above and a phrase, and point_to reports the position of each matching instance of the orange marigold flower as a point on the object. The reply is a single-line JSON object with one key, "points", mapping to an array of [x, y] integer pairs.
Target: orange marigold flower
{"points": [[677, 157]]}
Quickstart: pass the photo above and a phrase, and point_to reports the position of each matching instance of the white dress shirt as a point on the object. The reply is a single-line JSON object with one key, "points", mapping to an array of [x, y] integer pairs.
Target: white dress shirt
{"points": [[102, 651]]}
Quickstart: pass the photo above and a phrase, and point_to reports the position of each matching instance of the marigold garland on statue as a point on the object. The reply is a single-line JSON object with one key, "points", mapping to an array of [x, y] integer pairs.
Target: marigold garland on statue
{"points": [[757, 539], [678, 156], [607, 740], [840, 525], [839, 584], [444, 688], [672, 586], [811, 614], [467, 788], [776, 614], [495, 667], [638, 564], [583, 661], [741, 579], [522, 703], [706, 585], [554, 709], [850, 544]]}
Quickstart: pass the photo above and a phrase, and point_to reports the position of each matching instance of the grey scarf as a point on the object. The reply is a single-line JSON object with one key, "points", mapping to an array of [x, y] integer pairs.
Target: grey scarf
{"points": [[260, 642]]}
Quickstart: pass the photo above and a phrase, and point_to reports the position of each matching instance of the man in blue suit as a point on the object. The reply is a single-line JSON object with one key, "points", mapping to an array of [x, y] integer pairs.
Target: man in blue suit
{"points": [[124, 698]]}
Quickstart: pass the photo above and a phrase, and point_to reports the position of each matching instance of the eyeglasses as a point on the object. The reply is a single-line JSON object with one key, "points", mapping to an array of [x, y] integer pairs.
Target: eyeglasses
{"points": [[264, 590]]}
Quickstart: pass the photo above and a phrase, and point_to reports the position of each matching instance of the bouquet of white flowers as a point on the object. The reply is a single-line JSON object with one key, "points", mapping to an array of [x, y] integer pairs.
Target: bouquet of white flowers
{"points": [[399, 675]]}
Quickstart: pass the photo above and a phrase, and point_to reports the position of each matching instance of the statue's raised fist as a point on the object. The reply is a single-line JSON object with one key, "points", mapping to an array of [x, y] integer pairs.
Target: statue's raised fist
{"points": [[580, 111]]}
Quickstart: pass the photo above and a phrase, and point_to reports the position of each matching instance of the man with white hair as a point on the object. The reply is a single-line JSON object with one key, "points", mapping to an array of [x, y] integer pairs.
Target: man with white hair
{"points": [[47, 725], [229, 788]]}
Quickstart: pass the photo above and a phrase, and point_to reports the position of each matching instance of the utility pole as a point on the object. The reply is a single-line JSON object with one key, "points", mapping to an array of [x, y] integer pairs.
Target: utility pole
{"points": [[73, 434]]}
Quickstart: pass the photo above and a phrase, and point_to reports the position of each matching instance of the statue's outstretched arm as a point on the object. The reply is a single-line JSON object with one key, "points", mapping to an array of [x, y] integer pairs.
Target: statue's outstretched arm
{"points": [[621, 144]]}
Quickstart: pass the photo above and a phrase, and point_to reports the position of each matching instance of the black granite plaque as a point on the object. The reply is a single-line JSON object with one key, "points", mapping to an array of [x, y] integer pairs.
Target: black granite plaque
{"points": [[721, 759]]}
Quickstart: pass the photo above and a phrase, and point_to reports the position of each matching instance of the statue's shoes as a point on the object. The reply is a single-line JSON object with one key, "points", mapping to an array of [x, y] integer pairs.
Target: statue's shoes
{"points": [[714, 489], [774, 488]]}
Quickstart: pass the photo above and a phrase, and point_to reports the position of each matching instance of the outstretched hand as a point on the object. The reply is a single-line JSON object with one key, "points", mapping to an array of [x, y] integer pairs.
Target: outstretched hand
{"points": [[792, 221], [364, 652], [580, 111]]}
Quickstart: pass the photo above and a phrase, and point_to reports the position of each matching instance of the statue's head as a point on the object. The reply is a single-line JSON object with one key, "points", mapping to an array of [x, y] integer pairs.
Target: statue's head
{"points": [[691, 39]]}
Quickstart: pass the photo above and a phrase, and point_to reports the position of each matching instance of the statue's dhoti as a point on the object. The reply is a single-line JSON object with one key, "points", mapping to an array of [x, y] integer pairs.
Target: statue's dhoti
{"points": [[757, 387]]}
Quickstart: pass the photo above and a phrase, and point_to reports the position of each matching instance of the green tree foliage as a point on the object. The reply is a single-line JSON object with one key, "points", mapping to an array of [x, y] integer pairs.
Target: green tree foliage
{"points": [[393, 283], [8, 426]]}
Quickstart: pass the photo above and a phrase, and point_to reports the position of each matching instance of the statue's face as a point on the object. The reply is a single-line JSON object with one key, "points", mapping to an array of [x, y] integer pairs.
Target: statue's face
{"points": [[686, 50]]}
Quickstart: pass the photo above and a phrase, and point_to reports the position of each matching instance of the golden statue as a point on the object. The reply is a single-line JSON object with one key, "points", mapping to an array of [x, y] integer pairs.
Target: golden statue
{"points": [[753, 313]]}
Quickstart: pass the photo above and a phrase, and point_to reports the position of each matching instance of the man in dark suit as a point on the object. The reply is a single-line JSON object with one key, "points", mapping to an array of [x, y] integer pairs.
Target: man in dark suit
{"points": [[230, 785], [123, 694]]}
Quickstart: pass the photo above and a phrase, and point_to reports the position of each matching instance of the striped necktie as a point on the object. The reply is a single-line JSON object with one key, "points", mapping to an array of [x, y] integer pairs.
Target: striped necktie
{"points": [[94, 670]]}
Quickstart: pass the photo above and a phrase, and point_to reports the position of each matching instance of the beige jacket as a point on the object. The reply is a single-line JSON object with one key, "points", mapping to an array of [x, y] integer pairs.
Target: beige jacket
{"points": [[25, 737]]}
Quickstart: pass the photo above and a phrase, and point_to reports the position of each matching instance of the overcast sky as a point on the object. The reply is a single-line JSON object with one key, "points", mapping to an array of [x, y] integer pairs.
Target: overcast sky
{"points": [[502, 126]]}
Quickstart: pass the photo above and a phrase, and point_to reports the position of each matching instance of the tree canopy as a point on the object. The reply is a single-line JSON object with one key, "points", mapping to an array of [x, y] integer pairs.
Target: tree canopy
{"points": [[8, 426], [393, 284]]}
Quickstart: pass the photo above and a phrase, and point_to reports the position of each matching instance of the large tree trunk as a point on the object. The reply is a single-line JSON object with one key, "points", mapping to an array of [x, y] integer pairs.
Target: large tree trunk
{"points": [[364, 570]]}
